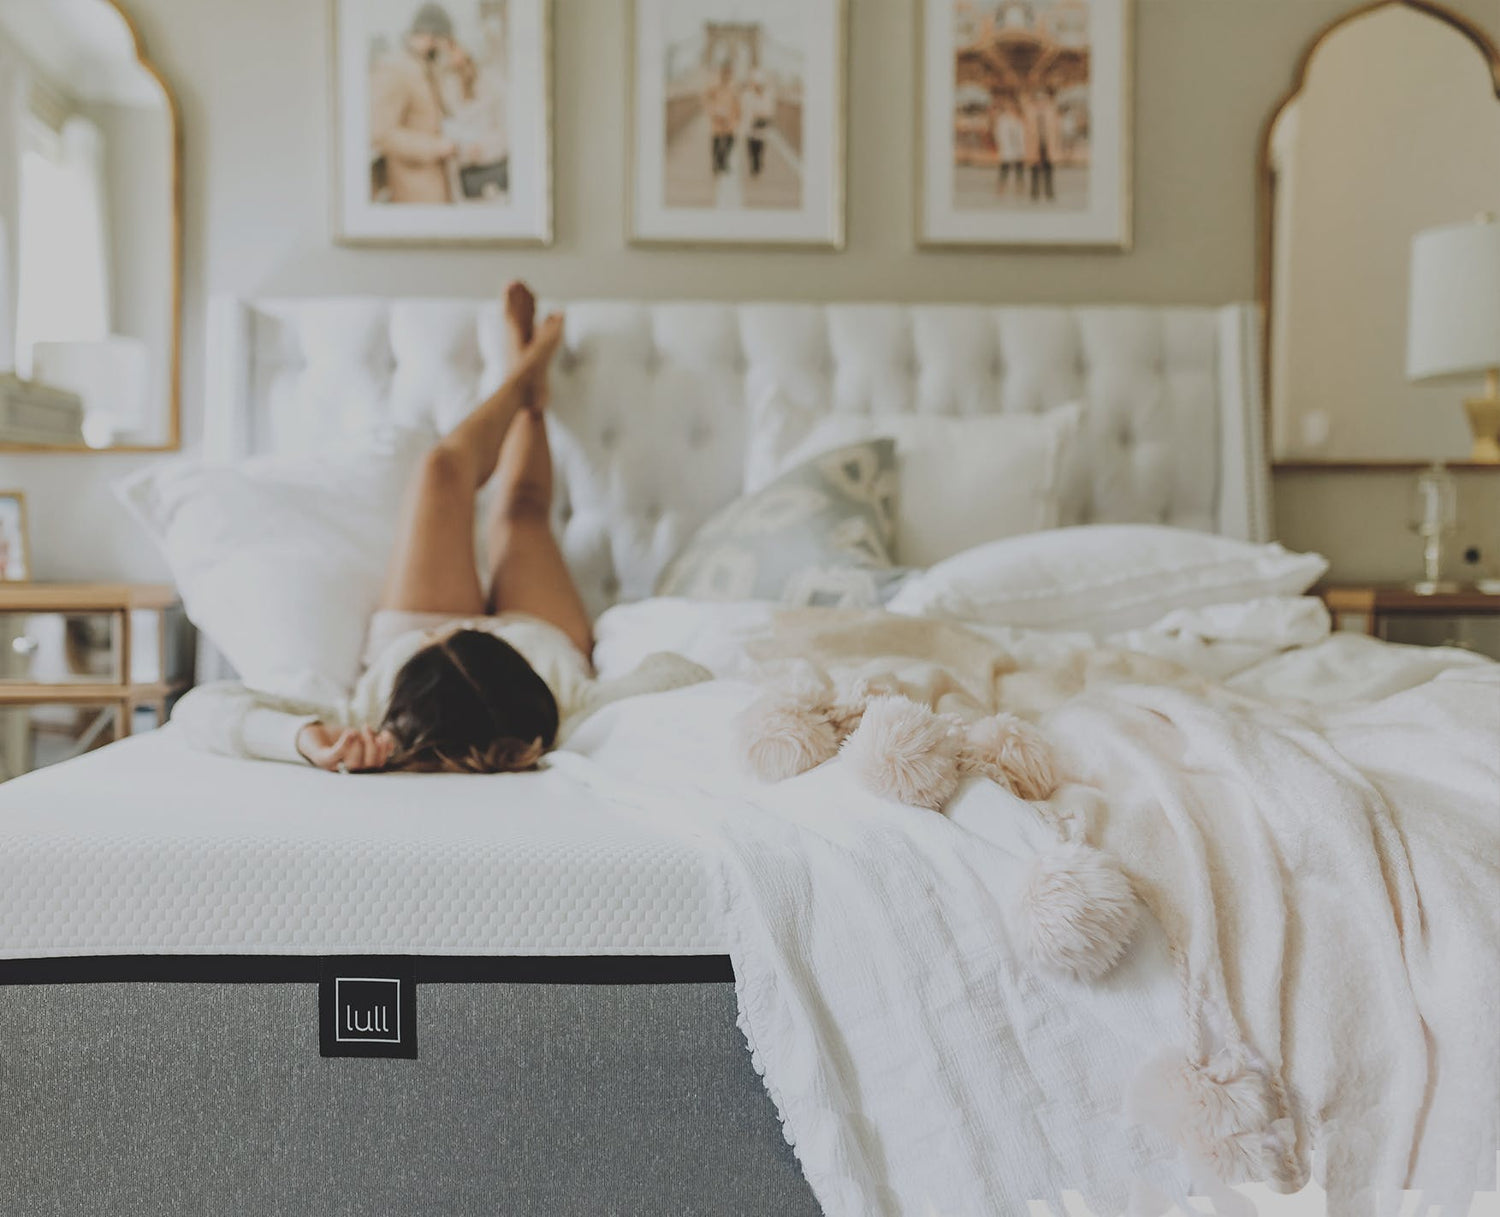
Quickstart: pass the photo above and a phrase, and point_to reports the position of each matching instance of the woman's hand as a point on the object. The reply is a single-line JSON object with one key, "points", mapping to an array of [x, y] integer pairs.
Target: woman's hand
{"points": [[345, 750]]}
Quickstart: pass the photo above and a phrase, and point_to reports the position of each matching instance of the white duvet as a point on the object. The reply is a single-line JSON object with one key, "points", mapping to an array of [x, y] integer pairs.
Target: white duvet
{"points": [[1318, 827]]}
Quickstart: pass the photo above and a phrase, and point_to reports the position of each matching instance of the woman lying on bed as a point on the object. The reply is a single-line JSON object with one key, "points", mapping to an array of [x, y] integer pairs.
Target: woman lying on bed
{"points": [[459, 678]]}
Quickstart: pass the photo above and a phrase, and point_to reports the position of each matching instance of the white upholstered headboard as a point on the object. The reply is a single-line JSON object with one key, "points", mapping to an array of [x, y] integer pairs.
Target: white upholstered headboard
{"points": [[650, 400]]}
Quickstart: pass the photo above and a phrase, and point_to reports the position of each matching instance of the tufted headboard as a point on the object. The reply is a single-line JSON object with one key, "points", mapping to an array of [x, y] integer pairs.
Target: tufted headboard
{"points": [[651, 400]]}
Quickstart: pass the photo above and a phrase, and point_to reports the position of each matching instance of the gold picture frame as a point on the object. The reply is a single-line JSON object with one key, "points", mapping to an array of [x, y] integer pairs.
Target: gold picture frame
{"points": [[1265, 221], [19, 562], [173, 439]]}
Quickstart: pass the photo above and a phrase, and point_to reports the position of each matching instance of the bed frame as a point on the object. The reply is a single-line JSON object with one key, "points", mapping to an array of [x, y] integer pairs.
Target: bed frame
{"points": [[561, 1085]]}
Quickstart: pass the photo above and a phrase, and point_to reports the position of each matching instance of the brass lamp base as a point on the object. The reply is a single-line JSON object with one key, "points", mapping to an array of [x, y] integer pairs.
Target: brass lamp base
{"points": [[1484, 420], [1484, 423]]}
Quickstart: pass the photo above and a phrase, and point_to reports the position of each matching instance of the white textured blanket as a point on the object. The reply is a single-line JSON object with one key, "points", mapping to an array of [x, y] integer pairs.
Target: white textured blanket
{"points": [[918, 1063], [1329, 882], [1321, 999]]}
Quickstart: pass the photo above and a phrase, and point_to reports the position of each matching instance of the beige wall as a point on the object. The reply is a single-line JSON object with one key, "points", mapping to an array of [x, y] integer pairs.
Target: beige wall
{"points": [[252, 79]]}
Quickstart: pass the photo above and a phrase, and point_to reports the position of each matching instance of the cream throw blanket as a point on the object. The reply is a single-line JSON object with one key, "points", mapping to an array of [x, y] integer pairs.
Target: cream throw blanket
{"points": [[1329, 890], [1326, 881], [1329, 885]]}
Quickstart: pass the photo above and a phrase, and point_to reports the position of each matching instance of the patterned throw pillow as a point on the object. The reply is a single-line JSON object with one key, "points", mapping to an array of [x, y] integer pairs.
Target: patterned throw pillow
{"points": [[821, 533]]}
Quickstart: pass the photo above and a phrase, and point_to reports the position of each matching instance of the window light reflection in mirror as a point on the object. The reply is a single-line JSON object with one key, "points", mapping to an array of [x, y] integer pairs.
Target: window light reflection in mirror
{"points": [[89, 264]]}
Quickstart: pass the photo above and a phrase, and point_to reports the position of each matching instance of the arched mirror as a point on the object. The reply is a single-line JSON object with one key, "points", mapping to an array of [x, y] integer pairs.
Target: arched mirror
{"points": [[90, 209], [1391, 128]]}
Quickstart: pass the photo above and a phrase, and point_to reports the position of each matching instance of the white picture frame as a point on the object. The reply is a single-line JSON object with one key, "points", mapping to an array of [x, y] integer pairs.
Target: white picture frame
{"points": [[773, 72], [1025, 110], [485, 91]]}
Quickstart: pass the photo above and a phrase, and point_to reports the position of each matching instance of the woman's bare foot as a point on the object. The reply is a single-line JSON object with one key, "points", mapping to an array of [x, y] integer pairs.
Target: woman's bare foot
{"points": [[531, 369], [520, 326], [546, 338], [520, 333], [520, 320]]}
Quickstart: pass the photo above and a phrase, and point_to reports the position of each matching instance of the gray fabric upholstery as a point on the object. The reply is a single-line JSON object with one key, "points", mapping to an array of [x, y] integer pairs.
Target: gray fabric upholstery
{"points": [[526, 1099]]}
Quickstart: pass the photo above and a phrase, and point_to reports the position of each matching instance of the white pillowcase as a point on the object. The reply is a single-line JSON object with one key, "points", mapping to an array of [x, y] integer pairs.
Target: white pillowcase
{"points": [[1102, 578], [964, 480], [280, 560]]}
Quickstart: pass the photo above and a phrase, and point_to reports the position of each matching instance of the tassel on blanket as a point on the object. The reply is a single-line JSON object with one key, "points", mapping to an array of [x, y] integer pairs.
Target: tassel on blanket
{"points": [[790, 729], [1222, 1112], [903, 751], [1078, 910], [1011, 752], [783, 739], [897, 747], [1077, 907]]}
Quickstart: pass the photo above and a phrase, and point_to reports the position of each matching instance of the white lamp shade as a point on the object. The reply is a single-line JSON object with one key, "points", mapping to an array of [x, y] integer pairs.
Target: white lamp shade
{"points": [[1453, 325]]}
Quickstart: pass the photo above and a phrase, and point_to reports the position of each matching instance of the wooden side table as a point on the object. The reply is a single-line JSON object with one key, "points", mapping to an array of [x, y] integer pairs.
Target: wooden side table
{"points": [[1388, 610], [83, 664]]}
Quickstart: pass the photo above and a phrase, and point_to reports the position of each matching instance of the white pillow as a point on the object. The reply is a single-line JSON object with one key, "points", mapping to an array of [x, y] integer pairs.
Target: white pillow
{"points": [[1102, 578], [280, 560], [964, 481]]}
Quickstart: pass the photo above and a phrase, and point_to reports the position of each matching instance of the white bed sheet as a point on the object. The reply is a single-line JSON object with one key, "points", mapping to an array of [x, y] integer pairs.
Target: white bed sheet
{"points": [[150, 847]]}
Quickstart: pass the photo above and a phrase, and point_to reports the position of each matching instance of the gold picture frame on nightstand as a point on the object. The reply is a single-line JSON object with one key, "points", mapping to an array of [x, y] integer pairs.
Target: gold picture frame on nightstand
{"points": [[15, 540]]}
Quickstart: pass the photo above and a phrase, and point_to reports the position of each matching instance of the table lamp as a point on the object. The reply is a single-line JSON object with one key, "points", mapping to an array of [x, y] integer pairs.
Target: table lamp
{"points": [[1453, 322], [1453, 333]]}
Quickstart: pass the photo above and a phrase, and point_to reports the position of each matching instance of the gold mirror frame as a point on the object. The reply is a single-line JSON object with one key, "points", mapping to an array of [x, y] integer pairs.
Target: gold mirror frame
{"points": [[1266, 206], [173, 441]]}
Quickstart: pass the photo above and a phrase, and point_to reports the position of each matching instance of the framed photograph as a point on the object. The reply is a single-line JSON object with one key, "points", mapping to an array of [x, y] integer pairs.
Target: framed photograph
{"points": [[737, 122], [442, 121], [15, 550], [1025, 116]]}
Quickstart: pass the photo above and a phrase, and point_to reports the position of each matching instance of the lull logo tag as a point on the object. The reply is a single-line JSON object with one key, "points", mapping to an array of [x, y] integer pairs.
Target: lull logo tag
{"points": [[368, 1008]]}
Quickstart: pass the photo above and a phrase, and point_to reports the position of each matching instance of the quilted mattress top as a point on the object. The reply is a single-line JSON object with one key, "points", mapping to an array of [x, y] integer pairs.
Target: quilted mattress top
{"points": [[149, 847]]}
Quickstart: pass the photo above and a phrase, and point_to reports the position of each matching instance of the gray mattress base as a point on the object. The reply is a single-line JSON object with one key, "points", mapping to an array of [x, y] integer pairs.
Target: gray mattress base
{"points": [[526, 1098]]}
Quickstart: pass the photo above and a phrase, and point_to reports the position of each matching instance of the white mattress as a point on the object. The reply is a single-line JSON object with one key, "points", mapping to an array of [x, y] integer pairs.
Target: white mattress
{"points": [[148, 847]]}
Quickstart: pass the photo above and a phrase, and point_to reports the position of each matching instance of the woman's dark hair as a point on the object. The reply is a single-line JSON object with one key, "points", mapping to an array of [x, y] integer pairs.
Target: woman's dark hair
{"points": [[469, 703]]}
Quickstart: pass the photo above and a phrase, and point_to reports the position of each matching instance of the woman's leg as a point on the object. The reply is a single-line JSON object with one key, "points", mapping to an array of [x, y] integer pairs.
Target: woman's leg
{"points": [[432, 565], [527, 570]]}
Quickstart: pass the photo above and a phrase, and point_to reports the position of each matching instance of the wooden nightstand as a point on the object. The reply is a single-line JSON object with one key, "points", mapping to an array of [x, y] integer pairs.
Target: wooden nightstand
{"points": [[83, 664], [1398, 614]]}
